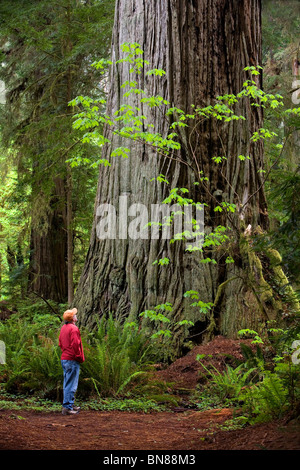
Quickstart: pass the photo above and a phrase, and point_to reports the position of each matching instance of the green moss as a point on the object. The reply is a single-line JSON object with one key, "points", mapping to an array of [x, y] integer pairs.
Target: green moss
{"points": [[256, 280], [281, 279], [271, 302]]}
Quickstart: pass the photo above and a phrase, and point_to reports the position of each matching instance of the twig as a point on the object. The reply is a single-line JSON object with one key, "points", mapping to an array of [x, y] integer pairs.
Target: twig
{"points": [[267, 174], [46, 302]]}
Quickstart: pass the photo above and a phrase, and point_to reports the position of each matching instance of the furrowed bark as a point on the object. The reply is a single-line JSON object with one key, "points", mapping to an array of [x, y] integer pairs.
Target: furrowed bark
{"points": [[203, 46]]}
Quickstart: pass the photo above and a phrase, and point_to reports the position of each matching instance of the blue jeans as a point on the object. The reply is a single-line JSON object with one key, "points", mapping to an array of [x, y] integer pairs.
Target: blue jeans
{"points": [[71, 371]]}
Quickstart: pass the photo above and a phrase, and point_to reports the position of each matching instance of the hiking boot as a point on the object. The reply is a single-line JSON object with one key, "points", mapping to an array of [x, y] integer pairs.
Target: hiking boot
{"points": [[66, 411], [76, 408]]}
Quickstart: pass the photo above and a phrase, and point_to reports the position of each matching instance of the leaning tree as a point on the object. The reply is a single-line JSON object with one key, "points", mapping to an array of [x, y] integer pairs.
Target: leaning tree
{"points": [[208, 49]]}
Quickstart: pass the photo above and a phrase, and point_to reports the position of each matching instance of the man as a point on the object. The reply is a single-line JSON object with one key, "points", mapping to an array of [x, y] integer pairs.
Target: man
{"points": [[72, 356]]}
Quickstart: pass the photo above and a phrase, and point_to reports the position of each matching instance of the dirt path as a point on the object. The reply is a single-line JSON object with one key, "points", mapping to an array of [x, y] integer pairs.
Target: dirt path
{"points": [[93, 430]]}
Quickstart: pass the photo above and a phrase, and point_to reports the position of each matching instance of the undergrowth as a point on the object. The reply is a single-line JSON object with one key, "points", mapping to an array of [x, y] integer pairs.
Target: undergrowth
{"points": [[258, 389], [119, 362], [18, 402]]}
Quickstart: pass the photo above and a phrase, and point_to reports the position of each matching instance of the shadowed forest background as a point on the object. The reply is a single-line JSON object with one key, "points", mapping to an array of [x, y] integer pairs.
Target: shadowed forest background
{"points": [[194, 103]]}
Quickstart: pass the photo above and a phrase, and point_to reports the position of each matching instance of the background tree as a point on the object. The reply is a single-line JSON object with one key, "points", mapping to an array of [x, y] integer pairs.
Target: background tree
{"points": [[281, 29], [204, 47], [47, 52]]}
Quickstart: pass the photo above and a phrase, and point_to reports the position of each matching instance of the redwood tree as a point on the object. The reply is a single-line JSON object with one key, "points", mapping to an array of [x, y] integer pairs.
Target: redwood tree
{"points": [[47, 50], [204, 47]]}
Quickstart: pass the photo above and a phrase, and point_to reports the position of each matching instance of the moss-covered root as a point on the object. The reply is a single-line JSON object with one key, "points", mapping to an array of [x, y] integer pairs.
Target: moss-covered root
{"points": [[281, 279], [270, 301]]}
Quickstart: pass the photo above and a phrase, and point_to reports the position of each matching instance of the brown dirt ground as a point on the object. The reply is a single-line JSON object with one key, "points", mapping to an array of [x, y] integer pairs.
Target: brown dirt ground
{"points": [[178, 429]]}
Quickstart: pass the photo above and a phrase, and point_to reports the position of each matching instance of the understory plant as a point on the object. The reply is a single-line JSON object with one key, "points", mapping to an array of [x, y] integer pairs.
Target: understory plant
{"points": [[32, 356], [116, 355], [262, 389], [267, 399], [227, 385], [277, 391]]}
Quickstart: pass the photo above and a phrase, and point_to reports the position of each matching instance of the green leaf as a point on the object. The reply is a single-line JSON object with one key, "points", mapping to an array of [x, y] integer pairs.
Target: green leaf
{"points": [[162, 261], [191, 293], [158, 72], [120, 152]]}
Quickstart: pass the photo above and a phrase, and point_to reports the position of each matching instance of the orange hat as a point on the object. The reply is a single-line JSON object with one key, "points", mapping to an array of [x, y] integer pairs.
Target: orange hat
{"points": [[69, 314]]}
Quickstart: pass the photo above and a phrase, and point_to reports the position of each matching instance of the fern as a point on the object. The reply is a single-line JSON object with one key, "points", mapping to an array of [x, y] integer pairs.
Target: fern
{"points": [[252, 359], [229, 383], [116, 356], [268, 399]]}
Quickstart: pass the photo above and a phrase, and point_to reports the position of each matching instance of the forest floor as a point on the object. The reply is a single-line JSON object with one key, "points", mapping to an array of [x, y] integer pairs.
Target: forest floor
{"points": [[180, 428]]}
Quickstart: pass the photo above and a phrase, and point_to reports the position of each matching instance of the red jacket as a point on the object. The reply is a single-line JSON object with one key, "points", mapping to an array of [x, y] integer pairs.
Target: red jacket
{"points": [[70, 343]]}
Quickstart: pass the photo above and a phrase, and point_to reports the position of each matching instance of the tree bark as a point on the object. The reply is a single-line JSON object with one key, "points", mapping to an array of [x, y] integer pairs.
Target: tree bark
{"points": [[203, 46], [70, 238], [48, 275]]}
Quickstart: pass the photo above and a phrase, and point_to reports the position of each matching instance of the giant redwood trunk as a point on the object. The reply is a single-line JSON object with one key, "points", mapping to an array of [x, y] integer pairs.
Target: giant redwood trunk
{"points": [[203, 46]]}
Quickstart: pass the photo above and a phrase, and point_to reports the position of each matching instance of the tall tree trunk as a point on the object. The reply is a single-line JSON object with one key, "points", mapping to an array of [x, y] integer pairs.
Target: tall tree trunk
{"points": [[203, 46], [70, 237], [51, 273], [48, 276]]}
